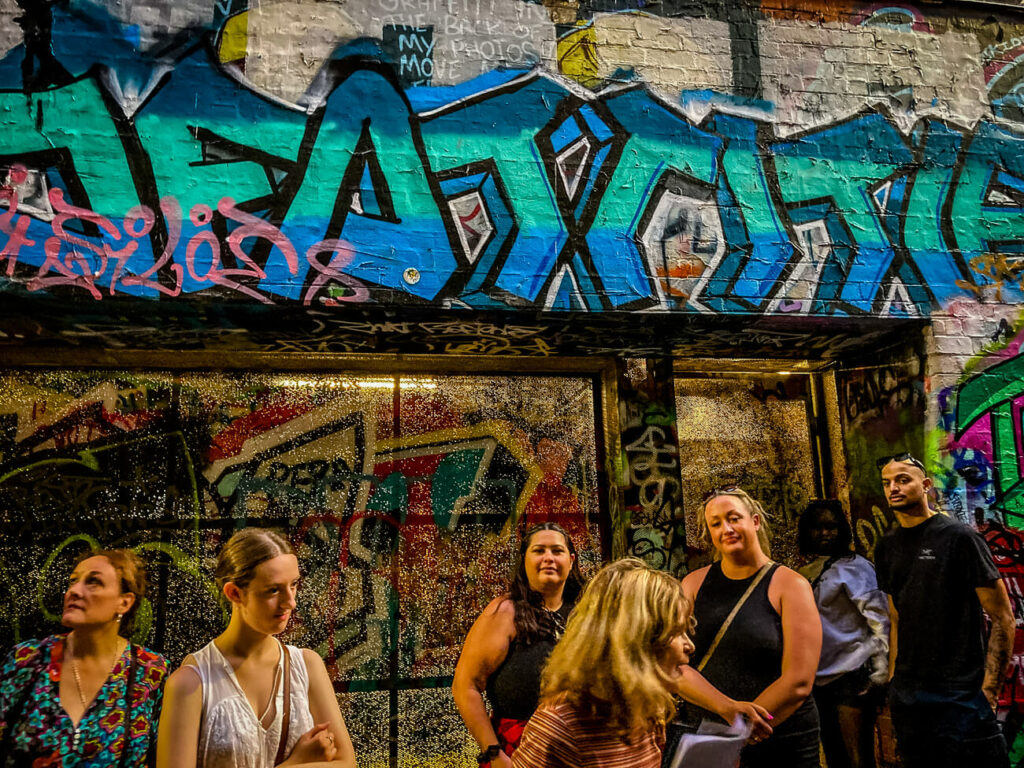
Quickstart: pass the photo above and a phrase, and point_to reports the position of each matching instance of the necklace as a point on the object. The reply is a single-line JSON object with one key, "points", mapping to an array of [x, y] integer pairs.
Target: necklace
{"points": [[78, 677], [556, 619]]}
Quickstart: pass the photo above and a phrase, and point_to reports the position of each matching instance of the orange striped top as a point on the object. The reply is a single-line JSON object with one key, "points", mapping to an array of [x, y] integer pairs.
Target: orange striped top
{"points": [[558, 736]]}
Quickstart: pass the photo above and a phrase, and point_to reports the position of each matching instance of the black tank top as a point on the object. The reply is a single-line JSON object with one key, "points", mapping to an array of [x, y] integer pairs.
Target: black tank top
{"points": [[749, 657], [514, 688]]}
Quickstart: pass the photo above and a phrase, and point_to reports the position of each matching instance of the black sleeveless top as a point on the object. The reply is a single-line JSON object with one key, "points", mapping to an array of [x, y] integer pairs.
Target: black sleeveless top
{"points": [[749, 657], [514, 688]]}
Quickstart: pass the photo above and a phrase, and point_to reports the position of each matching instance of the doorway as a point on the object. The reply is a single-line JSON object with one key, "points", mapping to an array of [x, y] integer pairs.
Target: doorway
{"points": [[763, 430]]}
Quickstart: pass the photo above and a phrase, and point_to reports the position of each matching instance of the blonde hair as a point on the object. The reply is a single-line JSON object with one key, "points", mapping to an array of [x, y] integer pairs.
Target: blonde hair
{"points": [[607, 663], [753, 508]]}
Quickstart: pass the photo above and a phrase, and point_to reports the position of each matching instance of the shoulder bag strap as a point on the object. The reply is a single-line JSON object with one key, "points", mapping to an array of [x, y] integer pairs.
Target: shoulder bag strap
{"points": [[828, 564], [129, 689], [286, 719], [732, 614]]}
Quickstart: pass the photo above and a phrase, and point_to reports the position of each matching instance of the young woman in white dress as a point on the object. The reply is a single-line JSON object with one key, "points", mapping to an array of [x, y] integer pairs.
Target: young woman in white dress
{"points": [[246, 700]]}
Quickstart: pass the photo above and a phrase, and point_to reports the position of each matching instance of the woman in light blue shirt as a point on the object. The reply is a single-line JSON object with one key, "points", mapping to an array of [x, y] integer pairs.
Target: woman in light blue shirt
{"points": [[854, 665]]}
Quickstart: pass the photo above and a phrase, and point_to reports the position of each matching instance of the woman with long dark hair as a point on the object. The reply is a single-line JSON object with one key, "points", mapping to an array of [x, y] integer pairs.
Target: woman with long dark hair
{"points": [[508, 644], [89, 697], [854, 612]]}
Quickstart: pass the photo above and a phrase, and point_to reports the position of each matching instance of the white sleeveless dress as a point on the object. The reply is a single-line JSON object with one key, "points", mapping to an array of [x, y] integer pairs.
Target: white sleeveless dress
{"points": [[230, 734]]}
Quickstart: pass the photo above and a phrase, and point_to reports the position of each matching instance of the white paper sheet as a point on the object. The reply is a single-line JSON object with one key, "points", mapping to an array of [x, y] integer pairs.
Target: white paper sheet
{"points": [[712, 746]]}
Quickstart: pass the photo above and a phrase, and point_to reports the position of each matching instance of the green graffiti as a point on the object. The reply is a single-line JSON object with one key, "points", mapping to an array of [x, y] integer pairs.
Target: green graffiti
{"points": [[453, 484], [44, 571], [982, 220], [991, 393], [73, 128]]}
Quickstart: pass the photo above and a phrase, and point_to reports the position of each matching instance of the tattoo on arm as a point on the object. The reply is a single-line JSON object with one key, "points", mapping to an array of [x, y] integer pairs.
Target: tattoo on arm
{"points": [[1000, 648]]}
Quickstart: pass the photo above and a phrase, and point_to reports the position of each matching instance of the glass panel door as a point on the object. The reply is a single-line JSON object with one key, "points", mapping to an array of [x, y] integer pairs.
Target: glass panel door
{"points": [[753, 430]]}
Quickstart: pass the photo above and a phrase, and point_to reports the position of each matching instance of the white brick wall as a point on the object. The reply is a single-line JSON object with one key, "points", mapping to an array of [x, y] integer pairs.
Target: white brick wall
{"points": [[817, 73]]}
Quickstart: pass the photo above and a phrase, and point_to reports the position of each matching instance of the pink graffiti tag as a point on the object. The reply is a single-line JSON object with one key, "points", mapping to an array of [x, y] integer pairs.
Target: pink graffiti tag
{"points": [[341, 256], [144, 214], [17, 232], [72, 259]]}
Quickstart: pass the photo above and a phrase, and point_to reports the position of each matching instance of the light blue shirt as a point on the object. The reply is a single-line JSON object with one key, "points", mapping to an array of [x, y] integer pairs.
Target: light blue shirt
{"points": [[854, 618]]}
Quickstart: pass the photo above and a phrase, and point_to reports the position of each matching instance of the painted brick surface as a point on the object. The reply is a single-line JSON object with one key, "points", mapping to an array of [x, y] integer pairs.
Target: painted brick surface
{"points": [[741, 160], [672, 55], [819, 73]]}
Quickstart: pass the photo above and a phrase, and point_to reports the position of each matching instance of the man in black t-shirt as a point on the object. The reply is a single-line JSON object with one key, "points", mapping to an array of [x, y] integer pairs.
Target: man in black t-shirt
{"points": [[946, 679]]}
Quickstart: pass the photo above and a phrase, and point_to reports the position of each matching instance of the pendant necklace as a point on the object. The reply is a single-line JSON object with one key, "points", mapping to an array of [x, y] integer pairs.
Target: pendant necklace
{"points": [[557, 621], [78, 686]]}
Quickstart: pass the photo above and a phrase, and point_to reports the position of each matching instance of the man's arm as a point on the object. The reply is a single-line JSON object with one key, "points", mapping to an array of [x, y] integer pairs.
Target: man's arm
{"points": [[996, 603], [893, 622]]}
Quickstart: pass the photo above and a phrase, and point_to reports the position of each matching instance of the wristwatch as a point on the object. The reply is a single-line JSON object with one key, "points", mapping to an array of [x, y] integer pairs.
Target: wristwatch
{"points": [[488, 754]]}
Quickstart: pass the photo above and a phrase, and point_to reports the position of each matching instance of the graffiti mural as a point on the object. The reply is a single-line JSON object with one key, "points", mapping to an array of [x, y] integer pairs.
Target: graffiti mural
{"points": [[979, 443], [653, 495], [404, 498], [987, 451], [492, 193], [882, 408], [1007, 545]]}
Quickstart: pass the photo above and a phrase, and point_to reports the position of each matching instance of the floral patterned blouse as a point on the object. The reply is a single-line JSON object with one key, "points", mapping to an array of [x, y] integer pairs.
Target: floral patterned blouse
{"points": [[35, 730]]}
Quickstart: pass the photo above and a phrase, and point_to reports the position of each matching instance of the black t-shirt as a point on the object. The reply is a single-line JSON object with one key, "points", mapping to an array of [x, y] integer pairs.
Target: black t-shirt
{"points": [[931, 572]]}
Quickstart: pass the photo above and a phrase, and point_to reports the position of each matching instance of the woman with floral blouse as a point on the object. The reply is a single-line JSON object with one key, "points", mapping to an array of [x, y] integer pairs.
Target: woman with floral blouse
{"points": [[88, 698]]}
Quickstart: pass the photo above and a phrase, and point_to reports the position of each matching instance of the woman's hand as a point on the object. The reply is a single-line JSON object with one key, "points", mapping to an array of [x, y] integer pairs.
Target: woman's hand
{"points": [[501, 761], [323, 705], [757, 716], [314, 746]]}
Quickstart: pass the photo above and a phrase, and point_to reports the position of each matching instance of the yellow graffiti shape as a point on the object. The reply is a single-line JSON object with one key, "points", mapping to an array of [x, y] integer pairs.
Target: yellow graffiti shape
{"points": [[577, 56], [234, 37], [500, 431]]}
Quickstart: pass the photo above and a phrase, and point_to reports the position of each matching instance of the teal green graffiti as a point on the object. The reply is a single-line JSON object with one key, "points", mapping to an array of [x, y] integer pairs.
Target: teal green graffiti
{"points": [[508, 140], [979, 224], [453, 482], [75, 119], [392, 495], [172, 131]]}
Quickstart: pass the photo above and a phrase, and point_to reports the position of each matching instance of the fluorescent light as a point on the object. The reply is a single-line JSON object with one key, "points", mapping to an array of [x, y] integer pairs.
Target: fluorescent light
{"points": [[388, 383]]}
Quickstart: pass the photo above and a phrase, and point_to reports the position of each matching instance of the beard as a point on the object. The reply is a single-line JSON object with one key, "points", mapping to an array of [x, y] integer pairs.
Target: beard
{"points": [[905, 503]]}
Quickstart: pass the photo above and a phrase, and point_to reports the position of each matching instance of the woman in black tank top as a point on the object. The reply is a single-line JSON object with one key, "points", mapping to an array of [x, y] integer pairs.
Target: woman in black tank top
{"points": [[508, 644], [768, 652]]}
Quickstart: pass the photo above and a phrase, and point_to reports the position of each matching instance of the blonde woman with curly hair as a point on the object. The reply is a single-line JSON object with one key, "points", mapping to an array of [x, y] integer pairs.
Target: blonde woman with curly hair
{"points": [[607, 689], [758, 634]]}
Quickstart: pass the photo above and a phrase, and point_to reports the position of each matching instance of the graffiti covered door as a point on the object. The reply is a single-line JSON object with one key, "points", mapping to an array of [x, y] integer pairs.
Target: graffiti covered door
{"points": [[403, 496], [756, 431]]}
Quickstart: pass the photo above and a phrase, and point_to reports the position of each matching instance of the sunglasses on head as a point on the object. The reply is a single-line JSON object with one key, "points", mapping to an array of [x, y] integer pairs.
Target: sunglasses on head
{"points": [[905, 457], [719, 491]]}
